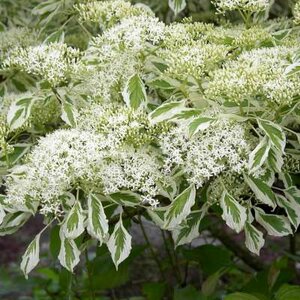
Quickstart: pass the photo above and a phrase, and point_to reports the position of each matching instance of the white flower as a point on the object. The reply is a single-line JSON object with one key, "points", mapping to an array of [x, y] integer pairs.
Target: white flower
{"points": [[246, 5]]}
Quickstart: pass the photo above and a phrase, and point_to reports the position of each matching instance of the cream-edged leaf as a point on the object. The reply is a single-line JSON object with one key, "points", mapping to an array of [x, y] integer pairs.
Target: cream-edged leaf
{"points": [[275, 225], [126, 198], [31, 257], [261, 190], [274, 132], [234, 214], [69, 253], [292, 209], [275, 159], [177, 5], [97, 221], [180, 208], [69, 112], [199, 124], [259, 155], [74, 224], [166, 111], [119, 243], [254, 239], [2, 214], [19, 112], [134, 93]]}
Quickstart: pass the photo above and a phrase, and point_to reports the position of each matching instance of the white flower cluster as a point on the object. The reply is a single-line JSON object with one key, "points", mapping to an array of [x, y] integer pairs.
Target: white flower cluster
{"points": [[95, 161], [257, 75], [245, 5], [109, 13], [53, 62], [297, 13], [223, 146], [116, 55], [193, 60]]}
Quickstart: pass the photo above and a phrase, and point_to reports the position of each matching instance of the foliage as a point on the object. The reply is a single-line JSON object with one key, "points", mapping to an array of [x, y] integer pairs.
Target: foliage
{"points": [[111, 116]]}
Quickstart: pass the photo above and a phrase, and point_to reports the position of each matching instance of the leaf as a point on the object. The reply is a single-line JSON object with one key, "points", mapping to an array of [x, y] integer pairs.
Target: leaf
{"points": [[240, 296], [13, 221], [2, 214], [234, 214], [292, 209], [274, 224], [154, 290], [177, 5], [275, 159], [261, 190], [293, 194], [288, 292], [126, 198], [259, 155], [287, 179], [254, 239], [69, 112], [19, 112], [134, 93], [199, 124], [185, 233], [31, 257], [73, 226], [210, 284], [119, 243], [166, 111], [274, 132], [180, 208], [188, 293], [69, 253], [157, 215], [97, 221]]}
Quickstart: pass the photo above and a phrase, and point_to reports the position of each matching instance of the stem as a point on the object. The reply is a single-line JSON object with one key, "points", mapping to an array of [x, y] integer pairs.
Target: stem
{"points": [[173, 264], [152, 250], [90, 274]]}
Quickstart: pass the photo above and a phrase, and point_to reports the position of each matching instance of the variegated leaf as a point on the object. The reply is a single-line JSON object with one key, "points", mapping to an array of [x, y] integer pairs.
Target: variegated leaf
{"points": [[254, 239], [97, 221], [180, 208], [119, 243], [259, 155], [74, 223], [234, 214]]}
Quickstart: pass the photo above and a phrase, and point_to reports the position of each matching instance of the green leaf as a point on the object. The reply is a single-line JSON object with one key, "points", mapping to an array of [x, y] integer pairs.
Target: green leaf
{"points": [[274, 224], [210, 284], [177, 5], [73, 225], [240, 296], [288, 292], [254, 239], [69, 112], [274, 132], [261, 190], [126, 198], [234, 214], [259, 155], [119, 243], [19, 112], [134, 93], [180, 208], [154, 290], [97, 221], [166, 111], [31, 257], [188, 293], [199, 124], [292, 209], [69, 253]]}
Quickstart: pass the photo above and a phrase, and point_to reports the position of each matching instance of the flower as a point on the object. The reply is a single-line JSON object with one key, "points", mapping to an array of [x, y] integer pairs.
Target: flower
{"points": [[245, 5], [223, 146], [53, 62]]}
